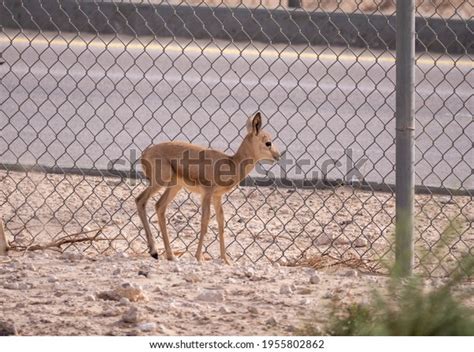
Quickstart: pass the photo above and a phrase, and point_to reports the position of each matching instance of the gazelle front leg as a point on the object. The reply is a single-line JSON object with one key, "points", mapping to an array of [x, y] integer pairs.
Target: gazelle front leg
{"points": [[206, 212], [141, 201], [161, 206], [220, 225]]}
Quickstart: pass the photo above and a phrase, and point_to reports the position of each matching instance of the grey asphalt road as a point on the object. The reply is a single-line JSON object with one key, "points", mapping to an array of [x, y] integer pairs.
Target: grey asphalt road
{"points": [[74, 101]]}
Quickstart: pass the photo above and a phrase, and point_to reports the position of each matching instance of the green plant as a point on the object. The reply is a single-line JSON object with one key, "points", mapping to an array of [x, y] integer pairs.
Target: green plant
{"points": [[408, 308]]}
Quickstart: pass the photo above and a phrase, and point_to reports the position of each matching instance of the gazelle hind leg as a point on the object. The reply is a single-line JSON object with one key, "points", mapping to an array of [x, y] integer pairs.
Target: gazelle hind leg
{"points": [[206, 212], [141, 202], [161, 206]]}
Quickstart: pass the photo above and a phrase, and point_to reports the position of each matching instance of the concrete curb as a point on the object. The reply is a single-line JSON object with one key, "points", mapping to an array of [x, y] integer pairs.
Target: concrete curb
{"points": [[248, 181], [239, 24]]}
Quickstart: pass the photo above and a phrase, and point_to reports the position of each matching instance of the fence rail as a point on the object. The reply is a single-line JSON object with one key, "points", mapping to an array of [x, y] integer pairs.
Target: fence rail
{"points": [[85, 86]]}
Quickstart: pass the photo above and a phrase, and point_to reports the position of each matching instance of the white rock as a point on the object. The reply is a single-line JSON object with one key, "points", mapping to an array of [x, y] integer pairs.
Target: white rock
{"points": [[271, 321], [286, 289], [147, 327], [253, 310], [304, 301], [124, 301], [131, 316], [52, 278], [23, 286], [211, 296], [323, 239], [341, 240], [159, 290], [351, 273], [249, 272], [224, 310], [314, 279], [11, 286], [132, 292], [165, 331], [360, 242], [192, 278], [70, 256], [327, 295], [90, 298], [145, 272]]}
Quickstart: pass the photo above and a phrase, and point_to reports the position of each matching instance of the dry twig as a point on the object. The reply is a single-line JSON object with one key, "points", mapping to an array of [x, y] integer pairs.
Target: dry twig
{"points": [[68, 239]]}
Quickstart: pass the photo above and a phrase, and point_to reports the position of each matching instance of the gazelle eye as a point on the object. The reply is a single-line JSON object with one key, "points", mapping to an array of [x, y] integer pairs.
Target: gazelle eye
{"points": [[268, 144]]}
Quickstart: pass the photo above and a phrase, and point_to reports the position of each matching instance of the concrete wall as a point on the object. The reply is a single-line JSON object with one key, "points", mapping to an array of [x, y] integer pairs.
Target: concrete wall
{"points": [[275, 26]]}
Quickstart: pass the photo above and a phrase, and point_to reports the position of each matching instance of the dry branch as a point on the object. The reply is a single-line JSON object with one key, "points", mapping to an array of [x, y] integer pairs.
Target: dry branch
{"points": [[68, 239]]}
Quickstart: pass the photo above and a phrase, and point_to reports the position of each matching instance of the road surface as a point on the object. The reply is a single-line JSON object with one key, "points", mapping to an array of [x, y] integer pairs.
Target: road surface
{"points": [[84, 101]]}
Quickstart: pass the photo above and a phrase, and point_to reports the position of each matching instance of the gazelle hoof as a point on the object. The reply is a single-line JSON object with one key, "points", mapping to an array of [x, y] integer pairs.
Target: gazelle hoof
{"points": [[154, 255], [226, 261]]}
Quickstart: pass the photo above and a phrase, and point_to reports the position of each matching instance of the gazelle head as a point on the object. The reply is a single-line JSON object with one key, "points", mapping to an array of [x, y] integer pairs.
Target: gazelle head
{"points": [[261, 141]]}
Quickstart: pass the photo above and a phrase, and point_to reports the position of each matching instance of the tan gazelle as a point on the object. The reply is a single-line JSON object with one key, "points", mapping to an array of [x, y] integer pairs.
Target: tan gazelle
{"points": [[211, 173]]}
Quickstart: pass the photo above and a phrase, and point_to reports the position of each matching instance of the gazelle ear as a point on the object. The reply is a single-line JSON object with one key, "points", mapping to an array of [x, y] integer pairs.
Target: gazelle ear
{"points": [[254, 124]]}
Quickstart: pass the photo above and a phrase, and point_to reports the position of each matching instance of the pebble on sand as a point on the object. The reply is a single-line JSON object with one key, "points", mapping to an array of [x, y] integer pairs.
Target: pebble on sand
{"points": [[271, 321], [351, 273], [211, 296], [314, 279], [132, 293], [147, 327], [131, 316], [286, 289]]}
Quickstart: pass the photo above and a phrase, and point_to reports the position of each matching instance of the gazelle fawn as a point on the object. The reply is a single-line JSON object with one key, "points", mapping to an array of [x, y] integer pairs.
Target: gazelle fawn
{"points": [[211, 173]]}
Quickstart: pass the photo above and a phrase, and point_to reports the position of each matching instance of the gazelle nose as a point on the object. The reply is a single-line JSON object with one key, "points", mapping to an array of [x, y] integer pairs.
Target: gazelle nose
{"points": [[276, 156]]}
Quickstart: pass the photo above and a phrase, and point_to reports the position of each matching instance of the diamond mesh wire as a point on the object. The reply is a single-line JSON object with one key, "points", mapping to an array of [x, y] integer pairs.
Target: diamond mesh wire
{"points": [[77, 107]]}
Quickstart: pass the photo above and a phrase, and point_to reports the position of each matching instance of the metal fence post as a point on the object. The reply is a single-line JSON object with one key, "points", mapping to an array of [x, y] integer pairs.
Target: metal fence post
{"points": [[3, 240], [405, 136]]}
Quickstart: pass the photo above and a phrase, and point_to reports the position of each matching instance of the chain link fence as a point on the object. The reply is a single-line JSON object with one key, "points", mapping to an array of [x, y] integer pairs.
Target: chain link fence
{"points": [[85, 86]]}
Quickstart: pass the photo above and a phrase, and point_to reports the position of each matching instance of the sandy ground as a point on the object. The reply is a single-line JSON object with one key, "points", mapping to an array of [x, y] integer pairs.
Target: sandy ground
{"points": [[111, 287], [50, 294], [46, 293], [263, 224]]}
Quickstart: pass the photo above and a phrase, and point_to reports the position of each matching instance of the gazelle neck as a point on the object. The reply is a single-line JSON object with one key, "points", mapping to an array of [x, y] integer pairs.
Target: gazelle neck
{"points": [[244, 159]]}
